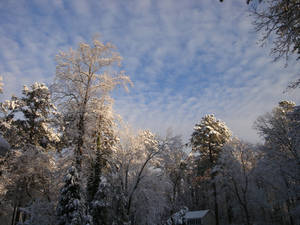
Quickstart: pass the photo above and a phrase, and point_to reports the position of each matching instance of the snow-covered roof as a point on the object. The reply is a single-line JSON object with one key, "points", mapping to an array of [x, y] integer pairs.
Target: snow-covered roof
{"points": [[195, 214]]}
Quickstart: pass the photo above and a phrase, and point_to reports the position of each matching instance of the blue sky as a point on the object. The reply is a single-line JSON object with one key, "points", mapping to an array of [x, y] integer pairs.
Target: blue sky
{"points": [[186, 58]]}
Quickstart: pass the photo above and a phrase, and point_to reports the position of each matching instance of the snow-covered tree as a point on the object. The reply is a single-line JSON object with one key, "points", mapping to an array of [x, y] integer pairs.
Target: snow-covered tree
{"points": [[28, 175], [101, 206], [102, 124], [102, 140], [208, 139], [132, 159], [274, 126], [278, 21], [177, 218], [280, 129], [147, 149], [95, 173], [96, 190], [28, 120], [84, 80], [70, 208], [40, 212], [119, 201], [294, 118], [151, 203], [238, 162], [172, 162]]}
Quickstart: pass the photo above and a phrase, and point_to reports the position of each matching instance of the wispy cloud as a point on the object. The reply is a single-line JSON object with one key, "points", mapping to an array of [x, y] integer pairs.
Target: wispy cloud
{"points": [[186, 58]]}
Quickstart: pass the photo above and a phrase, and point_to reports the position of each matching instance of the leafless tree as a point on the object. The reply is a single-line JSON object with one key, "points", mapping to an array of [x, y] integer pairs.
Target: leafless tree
{"points": [[84, 78]]}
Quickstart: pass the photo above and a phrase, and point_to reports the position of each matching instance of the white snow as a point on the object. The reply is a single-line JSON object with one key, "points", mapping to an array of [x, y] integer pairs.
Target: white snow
{"points": [[195, 214]]}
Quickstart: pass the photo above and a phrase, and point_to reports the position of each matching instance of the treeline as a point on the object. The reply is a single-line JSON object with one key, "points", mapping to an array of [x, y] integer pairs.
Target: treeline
{"points": [[72, 160]]}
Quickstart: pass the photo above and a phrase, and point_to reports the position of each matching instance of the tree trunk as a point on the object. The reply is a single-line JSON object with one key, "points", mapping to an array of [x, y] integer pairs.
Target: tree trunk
{"points": [[14, 215], [216, 203], [139, 178], [214, 185], [81, 124], [247, 214], [289, 213], [17, 219], [78, 150], [229, 210]]}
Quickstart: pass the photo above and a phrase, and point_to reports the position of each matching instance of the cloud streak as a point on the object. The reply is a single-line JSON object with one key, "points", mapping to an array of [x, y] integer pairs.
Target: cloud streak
{"points": [[186, 58]]}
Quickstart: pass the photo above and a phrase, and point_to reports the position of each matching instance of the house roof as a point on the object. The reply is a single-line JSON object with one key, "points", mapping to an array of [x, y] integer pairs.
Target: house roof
{"points": [[195, 214]]}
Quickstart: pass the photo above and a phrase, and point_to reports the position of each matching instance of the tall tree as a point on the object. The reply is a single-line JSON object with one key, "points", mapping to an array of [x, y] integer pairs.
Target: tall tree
{"points": [[97, 195], [238, 163], [28, 175], [102, 139], [101, 205], [70, 208], [84, 79], [277, 128], [26, 123], [172, 162], [132, 159], [28, 120], [279, 22], [280, 129], [40, 212], [208, 138]]}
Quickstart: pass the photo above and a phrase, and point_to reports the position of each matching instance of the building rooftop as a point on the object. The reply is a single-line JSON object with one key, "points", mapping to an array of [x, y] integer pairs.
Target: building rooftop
{"points": [[195, 214]]}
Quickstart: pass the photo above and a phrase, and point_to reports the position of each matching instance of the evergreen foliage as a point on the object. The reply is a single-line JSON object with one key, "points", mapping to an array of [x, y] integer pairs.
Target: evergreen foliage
{"points": [[70, 209], [28, 120]]}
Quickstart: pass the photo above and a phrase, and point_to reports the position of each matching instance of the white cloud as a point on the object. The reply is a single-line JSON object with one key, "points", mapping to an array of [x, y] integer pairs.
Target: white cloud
{"points": [[186, 58]]}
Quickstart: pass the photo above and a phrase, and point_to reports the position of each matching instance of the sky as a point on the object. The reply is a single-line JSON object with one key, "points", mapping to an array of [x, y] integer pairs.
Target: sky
{"points": [[186, 58]]}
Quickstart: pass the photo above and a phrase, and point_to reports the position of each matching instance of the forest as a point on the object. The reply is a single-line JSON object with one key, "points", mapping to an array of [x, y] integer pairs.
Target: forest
{"points": [[68, 158]]}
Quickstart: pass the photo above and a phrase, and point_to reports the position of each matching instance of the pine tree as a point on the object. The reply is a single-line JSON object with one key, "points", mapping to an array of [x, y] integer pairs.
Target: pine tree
{"points": [[96, 190], [70, 209], [208, 138], [119, 207], [37, 109], [34, 125], [102, 140], [100, 206]]}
